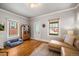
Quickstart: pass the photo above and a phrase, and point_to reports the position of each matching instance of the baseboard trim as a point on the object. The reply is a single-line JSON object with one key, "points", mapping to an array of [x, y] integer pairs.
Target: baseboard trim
{"points": [[41, 40]]}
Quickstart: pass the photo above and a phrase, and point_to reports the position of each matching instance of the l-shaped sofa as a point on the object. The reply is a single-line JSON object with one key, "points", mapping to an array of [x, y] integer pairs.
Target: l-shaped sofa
{"points": [[64, 48]]}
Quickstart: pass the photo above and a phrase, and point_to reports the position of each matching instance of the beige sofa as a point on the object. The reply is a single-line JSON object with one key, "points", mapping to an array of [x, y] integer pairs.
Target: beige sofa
{"points": [[64, 48], [69, 52]]}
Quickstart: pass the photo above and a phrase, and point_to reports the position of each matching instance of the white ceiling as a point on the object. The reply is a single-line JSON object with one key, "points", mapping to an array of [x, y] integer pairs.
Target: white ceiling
{"points": [[24, 9]]}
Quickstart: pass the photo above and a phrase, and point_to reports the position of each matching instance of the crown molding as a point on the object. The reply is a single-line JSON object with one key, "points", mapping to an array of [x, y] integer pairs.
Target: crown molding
{"points": [[73, 8], [61, 11], [8, 12]]}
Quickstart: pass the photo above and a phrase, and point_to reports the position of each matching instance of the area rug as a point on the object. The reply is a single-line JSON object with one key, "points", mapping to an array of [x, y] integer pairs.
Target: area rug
{"points": [[43, 50]]}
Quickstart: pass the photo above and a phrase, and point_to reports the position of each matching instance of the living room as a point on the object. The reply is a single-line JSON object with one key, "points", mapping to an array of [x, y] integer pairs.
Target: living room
{"points": [[36, 29]]}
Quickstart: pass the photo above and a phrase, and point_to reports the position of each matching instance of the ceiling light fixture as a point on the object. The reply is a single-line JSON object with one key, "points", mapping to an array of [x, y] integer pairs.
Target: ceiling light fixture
{"points": [[34, 5]]}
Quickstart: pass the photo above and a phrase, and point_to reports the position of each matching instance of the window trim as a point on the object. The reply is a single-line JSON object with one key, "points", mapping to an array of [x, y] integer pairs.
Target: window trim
{"points": [[54, 21]]}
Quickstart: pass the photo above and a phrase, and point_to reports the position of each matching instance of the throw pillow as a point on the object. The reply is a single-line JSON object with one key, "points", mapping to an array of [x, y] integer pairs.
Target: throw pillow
{"points": [[69, 39]]}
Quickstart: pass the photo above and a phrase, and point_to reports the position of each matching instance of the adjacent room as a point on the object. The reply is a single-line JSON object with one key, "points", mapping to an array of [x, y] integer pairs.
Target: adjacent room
{"points": [[39, 29]]}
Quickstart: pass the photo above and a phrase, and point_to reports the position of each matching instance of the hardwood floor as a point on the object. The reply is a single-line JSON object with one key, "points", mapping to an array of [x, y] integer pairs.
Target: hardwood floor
{"points": [[24, 49]]}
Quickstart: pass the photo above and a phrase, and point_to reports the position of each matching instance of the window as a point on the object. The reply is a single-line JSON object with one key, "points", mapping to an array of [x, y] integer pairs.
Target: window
{"points": [[54, 27]]}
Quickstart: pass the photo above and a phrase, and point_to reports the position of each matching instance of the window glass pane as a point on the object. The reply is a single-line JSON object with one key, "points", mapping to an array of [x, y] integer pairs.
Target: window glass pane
{"points": [[56, 24], [54, 28], [51, 30], [50, 25]]}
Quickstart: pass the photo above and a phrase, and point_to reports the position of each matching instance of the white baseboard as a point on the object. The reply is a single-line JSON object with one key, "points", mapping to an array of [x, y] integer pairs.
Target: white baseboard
{"points": [[41, 39]]}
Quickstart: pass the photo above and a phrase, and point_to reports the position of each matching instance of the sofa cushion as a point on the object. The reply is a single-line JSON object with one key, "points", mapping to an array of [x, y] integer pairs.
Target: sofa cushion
{"points": [[69, 52], [58, 44], [69, 40], [58, 39]]}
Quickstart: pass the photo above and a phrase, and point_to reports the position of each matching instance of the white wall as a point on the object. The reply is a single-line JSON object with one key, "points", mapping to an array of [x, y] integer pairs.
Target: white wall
{"points": [[66, 21], [4, 16], [77, 21]]}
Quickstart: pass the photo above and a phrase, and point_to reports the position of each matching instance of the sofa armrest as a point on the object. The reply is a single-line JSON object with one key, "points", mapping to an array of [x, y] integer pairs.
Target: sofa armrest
{"points": [[69, 52]]}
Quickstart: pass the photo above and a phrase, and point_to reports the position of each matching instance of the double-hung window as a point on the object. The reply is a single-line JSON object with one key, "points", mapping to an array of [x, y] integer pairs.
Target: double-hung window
{"points": [[54, 27]]}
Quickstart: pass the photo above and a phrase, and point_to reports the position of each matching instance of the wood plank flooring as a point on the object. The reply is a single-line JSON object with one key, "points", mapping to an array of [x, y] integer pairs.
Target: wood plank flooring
{"points": [[24, 49]]}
